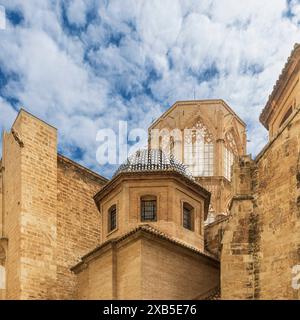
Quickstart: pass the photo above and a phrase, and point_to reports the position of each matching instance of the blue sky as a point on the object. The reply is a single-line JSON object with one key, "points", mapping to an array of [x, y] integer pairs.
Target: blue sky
{"points": [[84, 65]]}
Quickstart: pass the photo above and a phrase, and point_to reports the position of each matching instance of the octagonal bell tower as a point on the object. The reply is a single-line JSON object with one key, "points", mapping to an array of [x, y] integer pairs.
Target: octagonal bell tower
{"points": [[206, 135], [155, 189], [152, 216]]}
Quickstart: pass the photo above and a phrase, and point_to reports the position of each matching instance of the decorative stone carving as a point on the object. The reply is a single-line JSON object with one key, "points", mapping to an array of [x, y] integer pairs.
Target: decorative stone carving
{"points": [[17, 137], [231, 143], [202, 132]]}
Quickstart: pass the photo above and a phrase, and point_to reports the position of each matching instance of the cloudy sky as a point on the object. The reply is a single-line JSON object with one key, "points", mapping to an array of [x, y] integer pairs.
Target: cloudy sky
{"points": [[83, 65]]}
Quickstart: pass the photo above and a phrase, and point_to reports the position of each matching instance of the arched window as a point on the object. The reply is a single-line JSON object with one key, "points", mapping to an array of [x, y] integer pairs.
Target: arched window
{"points": [[172, 145], [188, 216], [230, 152], [164, 140], [148, 208], [112, 218], [199, 150]]}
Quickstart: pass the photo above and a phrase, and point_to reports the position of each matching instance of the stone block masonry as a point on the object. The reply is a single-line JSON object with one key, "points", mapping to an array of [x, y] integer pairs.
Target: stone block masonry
{"points": [[48, 214]]}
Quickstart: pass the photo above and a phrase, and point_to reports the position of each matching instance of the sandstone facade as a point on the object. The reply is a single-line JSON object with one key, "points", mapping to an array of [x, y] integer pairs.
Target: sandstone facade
{"points": [[262, 238], [67, 233], [158, 256], [48, 216], [146, 264], [222, 128]]}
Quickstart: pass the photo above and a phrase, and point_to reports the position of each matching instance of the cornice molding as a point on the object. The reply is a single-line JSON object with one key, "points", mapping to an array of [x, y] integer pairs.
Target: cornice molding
{"points": [[193, 185], [143, 230], [292, 64]]}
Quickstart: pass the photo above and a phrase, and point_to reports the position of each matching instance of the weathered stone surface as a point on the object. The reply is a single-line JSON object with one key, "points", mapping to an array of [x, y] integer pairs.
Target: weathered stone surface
{"points": [[214, 234], [220, 121], [49, 221], [47, 212], [261, 240], [145, 264]]}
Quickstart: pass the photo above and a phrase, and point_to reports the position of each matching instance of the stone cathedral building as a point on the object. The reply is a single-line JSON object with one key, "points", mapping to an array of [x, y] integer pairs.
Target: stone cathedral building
{"points": [[192, 217]]}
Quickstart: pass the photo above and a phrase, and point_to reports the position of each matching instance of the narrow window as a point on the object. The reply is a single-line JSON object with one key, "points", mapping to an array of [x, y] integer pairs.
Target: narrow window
{"points": [[228, 162], [112, 218], [188, 216], [172, 145], [148, 208], [199, 151], [230, 152]]}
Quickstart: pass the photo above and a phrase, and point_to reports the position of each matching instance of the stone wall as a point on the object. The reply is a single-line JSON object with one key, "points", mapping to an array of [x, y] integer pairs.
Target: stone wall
{"points": [[276, 191], [49, 216], [262, 238], [237, 260], [171, 191], [98, 282], [11, 172], [129, 271], [175, 273], [219, 120], [144, 266], [113, 272], [38, 218], [213, 235], [78, 220]]}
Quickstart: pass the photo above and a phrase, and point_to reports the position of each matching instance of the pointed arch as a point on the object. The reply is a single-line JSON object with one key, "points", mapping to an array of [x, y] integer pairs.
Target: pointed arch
{"points": [[200, 125], [205, 121], [230, 142], [231, 151], [234, 130], [199, 148]]}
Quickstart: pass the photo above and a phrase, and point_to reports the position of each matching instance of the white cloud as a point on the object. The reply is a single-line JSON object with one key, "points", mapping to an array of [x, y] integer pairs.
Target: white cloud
{"points": [[8, 114], [7, 117], [152, 52], [2, 18], [77, 11]]}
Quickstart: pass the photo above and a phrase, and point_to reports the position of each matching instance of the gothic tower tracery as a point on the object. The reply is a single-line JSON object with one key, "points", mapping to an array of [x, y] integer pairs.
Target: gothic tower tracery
{"points": [[212, 136]]}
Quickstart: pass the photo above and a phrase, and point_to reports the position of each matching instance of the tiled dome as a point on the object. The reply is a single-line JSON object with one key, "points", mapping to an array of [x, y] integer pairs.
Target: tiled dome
{"points": [[153, 160]]}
